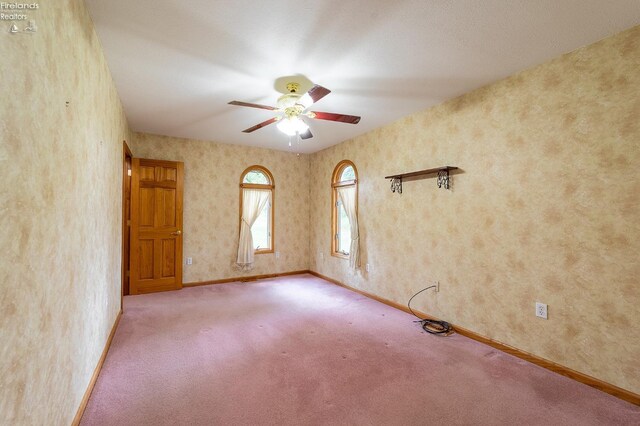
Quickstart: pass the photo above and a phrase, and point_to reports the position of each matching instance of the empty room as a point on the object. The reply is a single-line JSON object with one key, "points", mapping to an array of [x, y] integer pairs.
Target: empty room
{"points": [[418, 212]]}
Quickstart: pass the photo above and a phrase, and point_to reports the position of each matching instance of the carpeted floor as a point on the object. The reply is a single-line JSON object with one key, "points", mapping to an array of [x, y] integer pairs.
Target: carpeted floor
{"points": [[301, 351]]}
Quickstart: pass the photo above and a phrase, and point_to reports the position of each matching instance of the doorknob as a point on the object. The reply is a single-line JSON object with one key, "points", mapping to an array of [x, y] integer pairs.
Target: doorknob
{"points": [[178, 232]]}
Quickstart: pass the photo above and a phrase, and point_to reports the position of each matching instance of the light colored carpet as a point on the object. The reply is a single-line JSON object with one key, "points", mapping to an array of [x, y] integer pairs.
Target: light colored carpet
{"points": [[300, 351]]}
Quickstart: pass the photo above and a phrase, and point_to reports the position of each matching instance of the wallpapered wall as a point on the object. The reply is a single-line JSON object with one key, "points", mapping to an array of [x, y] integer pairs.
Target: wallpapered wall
{"points": [[546, 209], [212, 204], [60, 195]]}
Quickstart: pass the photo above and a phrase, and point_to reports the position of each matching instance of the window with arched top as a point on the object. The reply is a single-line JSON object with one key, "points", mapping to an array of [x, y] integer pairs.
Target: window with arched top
{"points": [[256, 213], [344, 208]]}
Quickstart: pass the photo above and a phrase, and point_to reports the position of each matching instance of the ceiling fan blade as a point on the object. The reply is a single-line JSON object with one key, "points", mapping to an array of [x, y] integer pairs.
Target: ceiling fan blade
{"points": [[261, 125], [351, 119], [247, 104], [306, 135], [318, 92]]}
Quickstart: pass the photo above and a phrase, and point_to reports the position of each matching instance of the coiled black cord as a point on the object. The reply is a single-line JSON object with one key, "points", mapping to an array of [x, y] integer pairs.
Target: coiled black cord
{"points": [[430, 325]]}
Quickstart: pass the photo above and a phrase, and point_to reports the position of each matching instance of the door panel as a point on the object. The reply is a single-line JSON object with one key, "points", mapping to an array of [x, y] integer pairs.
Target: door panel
{"points": [[166, 209], [169, 207], [146, 259], [147, 173], [147, 206], [168, 258], [169, 174], [156, 226]]}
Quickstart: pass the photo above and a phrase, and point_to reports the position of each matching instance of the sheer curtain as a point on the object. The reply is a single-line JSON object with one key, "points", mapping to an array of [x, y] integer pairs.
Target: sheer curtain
{"points": [[253, 201], [347, 196]]}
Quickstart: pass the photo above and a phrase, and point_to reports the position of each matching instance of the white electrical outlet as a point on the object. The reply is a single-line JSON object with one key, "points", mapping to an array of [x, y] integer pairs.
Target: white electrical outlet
{"points": [[541, 310], [189, 261], [367, 267], [321, 255], [277, 255]]}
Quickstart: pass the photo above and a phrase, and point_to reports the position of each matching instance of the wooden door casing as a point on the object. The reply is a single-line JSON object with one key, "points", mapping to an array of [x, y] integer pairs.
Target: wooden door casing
{"points": [[126, 217], [157, 188]]}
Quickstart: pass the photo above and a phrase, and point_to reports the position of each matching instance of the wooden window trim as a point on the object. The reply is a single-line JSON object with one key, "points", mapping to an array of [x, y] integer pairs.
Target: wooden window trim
{"points": [[335, 184], [272, 188]]}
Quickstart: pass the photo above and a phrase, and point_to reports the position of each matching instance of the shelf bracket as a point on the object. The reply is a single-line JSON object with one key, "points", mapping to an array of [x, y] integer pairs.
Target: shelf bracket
{"points": [[443, 179], [396, 185]]}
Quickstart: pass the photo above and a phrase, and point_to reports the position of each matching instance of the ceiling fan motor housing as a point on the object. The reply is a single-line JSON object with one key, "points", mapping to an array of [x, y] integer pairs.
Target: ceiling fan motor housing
{"points": [[291, 102]]}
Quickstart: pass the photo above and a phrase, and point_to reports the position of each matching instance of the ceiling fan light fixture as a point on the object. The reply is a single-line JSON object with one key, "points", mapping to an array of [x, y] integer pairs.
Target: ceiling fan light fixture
{"points": [[291, 126]]}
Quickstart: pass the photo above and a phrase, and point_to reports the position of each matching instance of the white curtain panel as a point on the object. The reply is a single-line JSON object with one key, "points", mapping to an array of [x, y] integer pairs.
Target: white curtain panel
{"points": [[253, 201], [347, 197]]}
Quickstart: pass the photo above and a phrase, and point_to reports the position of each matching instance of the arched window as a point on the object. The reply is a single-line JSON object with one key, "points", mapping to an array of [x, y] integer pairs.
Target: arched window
{"points": [[344, 210], [256, 213]]}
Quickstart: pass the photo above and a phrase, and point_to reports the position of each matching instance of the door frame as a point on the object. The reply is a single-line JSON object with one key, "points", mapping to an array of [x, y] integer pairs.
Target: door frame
{"points": [[126, 242]]}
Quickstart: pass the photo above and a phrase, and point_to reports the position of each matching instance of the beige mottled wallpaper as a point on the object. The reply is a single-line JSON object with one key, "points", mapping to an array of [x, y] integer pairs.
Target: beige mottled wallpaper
{"points": [[212, 204], [546, 209], [60, 195]]}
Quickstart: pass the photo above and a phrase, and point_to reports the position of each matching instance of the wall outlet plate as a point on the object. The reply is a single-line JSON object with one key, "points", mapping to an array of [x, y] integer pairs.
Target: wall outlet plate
{"points": [[367, 267], [277, 255], [541, 310], [189, 260]]}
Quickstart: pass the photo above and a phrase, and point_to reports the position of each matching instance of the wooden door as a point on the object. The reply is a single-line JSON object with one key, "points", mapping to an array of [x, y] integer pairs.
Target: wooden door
{"points": [[156, 226]]}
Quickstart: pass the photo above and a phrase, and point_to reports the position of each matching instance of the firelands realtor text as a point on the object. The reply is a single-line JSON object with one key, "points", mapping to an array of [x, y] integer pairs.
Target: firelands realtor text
{"points": [[11, 11]]}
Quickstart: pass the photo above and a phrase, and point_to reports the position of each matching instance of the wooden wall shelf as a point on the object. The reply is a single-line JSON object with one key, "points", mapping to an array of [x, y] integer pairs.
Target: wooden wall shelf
{"points": [[443, 177]]}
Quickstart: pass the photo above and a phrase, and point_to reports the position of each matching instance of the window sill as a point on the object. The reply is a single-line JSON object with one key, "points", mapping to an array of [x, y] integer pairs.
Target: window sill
{"points": [[340, 255], [263, 251]]}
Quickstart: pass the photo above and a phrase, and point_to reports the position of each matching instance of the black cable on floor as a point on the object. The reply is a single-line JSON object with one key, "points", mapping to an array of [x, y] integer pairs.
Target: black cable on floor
{"points": [[429, 325]]}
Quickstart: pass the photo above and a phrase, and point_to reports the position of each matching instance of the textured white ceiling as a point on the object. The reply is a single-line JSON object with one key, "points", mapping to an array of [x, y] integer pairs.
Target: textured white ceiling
{"points": [[176, 64]]}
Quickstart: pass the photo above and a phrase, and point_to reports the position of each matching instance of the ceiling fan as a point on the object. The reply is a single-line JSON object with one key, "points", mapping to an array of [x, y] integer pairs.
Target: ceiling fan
{"points": [[292, 106]]}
